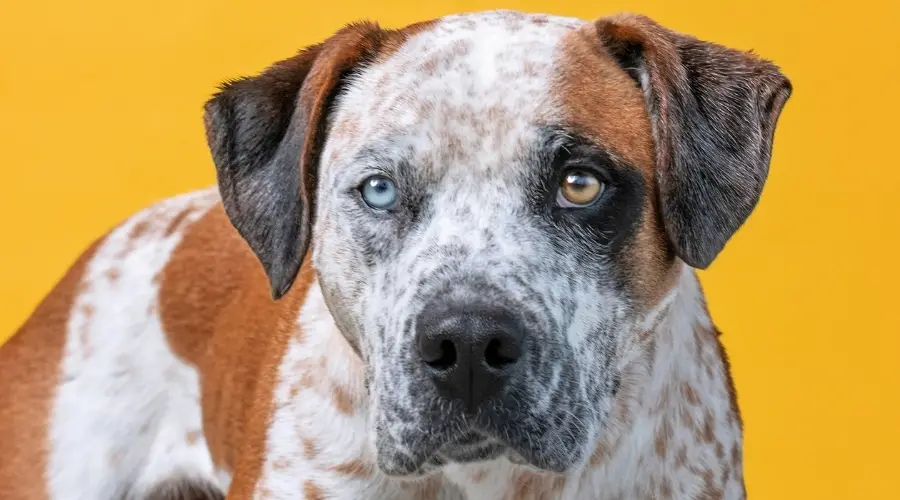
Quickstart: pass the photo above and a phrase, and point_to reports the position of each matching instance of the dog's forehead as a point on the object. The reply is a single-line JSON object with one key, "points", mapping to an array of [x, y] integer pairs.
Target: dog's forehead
{"points": [[477, 88]]}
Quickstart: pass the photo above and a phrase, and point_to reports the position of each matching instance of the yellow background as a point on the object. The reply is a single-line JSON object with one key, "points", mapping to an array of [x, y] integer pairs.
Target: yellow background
{"points": [[100, 114]]}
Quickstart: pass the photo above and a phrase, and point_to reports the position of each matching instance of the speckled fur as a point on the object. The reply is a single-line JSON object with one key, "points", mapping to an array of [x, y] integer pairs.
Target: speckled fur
{"points": [[624, 391]]}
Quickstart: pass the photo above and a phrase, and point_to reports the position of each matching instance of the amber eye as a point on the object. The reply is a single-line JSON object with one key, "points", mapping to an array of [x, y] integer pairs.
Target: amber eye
{"points": [[578, 188]]}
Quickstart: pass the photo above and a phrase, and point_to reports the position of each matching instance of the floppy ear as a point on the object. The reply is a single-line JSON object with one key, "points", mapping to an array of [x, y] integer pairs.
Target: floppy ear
{"points": [[713, 112], [265, 134]]}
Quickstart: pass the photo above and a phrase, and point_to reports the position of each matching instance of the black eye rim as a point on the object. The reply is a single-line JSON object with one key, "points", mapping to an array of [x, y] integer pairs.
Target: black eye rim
{"points": [[360, 190]]}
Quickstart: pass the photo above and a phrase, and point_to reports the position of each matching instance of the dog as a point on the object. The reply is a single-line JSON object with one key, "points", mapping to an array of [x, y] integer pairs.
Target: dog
{"points": [[450, 261]]}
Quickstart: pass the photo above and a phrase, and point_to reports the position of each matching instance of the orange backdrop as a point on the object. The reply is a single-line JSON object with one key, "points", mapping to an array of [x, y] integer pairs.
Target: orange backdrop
{"points": [[100, 114]]}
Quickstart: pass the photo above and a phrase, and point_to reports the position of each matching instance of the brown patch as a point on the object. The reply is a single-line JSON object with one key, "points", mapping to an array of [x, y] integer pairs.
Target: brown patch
{"points": [[311, 491], [139, 229], [690, 395], [600, 454], [218, 315], [710, 490], [29, 376], [177, 221], [736, 456], [661, 441], [113, 274], [665, 488], [355, 468], [602, 102], [708, 432], [429, 489], [681, 457], [343, 400], [192, 437], [687, 418], [526, 485], [281, 463], [346, 128], [310, 449], [84, 334]]}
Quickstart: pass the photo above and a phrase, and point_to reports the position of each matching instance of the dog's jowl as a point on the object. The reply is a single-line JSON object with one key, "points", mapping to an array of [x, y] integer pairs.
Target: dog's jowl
{"points": [[451, 261]]}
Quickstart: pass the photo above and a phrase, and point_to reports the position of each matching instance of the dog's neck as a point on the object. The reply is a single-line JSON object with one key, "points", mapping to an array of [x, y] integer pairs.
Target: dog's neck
{"points": [[674, 428]]}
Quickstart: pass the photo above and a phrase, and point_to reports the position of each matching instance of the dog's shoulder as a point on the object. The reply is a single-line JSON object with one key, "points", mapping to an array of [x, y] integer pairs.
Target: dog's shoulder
{"points": [[95, 319]]}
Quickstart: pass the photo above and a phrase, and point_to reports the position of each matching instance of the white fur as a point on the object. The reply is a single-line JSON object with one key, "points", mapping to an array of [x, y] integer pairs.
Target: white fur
{"points": [[126, 403]]}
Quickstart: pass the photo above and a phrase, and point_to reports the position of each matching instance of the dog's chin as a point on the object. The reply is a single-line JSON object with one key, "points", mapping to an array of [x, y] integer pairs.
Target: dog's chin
{"points": [[469, 449]]}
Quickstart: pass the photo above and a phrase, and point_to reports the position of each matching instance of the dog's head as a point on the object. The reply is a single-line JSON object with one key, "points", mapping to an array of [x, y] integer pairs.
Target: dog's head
{"points": [[496, 202]]}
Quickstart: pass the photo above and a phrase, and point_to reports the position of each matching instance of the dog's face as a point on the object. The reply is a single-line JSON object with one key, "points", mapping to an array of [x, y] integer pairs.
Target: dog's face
{"points": [[497, 203]]}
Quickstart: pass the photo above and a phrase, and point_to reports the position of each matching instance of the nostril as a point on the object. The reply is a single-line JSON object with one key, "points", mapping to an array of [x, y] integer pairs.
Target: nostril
{"points": [[440, 355], [499, 353]]}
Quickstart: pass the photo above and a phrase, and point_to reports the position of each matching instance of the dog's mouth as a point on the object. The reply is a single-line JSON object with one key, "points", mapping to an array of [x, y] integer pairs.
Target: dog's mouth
{"points": [[471, 447]]}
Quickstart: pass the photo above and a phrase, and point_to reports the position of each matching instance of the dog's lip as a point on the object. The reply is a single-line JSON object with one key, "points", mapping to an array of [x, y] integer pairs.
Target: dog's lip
{"points": [[471, 450]]}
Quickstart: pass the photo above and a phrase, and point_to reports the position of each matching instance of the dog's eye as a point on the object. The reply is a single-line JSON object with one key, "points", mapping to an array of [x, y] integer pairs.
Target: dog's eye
{"points": [[379, 192], [578, 189]]}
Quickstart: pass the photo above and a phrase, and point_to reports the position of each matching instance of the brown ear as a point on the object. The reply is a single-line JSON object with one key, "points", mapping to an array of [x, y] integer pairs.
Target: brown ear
{"points": [[265, 134], [713, 112]]}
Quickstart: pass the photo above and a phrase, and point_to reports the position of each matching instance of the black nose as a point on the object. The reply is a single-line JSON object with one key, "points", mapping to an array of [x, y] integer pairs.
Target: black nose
{"points": [[469, 353]]}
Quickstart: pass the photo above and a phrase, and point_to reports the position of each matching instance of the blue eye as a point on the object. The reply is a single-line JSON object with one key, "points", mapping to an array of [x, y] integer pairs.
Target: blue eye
{"points": [[379, 192]]}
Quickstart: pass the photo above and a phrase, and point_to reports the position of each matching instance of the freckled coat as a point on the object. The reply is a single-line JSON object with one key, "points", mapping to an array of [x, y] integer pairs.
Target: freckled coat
{"points": [[225, 341]]}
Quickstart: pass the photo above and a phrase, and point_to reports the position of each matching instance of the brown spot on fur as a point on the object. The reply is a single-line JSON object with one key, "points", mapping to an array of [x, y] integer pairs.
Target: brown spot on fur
{"points": [[708, 432], [84, 333], [139, 229], [177, 221], [343, 400], [681, 457], [709, 490], [425, 490], [525, 486], [281, 463], [665, 488], [310, 449], [690, 395], [192, 437], [311, 491], [736, 456], [113, 274], [720, 450], [29, 376], [687, 418], [661, 441], [355, 468]]}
